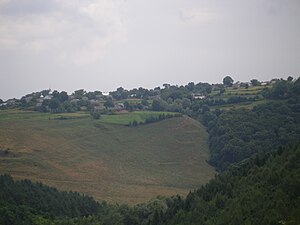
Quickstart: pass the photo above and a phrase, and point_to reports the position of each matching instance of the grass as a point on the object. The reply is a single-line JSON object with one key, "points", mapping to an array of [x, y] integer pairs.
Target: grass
{"points": [[243, 92], [246, 92], [126, 118], [103, 158], [244, 105], [130, 101], [252, 90], [15, 114]]}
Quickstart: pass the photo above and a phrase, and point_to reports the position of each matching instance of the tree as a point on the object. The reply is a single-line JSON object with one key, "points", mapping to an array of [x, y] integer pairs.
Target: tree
{"points": [[55, 94], [94, 94], [45, 92], [228, 81], [79, 93], [245, 85], [190, 86], [290, 79], [53, 104], [255, 82], [156, 105], [109, 104], [186, 103], [166, 85], [280, 89], [120, 93], [126, 105], [63, 96], [145, 102], [222, 90]]}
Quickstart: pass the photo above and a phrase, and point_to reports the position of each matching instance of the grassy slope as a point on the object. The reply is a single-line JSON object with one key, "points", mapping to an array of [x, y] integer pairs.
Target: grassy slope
{"points": [[110, 162]]}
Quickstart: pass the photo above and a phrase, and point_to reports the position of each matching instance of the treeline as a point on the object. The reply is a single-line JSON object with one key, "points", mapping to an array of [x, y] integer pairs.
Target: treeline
{"points": [[237, 134]]}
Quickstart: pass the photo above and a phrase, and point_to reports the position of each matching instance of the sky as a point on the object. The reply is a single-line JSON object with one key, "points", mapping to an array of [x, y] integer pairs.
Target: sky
{"points": [[105, 44]]}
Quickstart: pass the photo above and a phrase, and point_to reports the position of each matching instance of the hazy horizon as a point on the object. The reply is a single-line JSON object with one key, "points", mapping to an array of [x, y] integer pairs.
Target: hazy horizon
{"points": [[104, 44]]}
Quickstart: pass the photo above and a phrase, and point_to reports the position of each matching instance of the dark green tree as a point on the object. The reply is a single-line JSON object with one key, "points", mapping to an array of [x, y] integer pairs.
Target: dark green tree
{"points": [[227, 81], [63, 96], [156, 105], [186, 103], [145, 102], [45, 92], [255, 82], [53, 104], [290, 79], [79, 93], [109, 104]]}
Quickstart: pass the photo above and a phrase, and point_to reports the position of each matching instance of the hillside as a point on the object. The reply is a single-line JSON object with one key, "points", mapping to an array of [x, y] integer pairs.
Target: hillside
{"points": [[263, 190], [239, 132], [107, 161]]}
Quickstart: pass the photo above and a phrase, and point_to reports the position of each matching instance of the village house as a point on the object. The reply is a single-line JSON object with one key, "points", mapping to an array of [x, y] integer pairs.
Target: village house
{"points": [[48, 97], [198, 96], [264, 83], [75, 100], [118, 107]]}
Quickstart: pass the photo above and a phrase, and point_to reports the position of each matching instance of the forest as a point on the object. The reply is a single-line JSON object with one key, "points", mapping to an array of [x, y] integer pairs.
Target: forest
{"points": [[256, 151]]}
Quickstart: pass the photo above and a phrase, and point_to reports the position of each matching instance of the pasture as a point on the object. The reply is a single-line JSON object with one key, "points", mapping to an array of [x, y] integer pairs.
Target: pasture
{"points": [[104, 158]]}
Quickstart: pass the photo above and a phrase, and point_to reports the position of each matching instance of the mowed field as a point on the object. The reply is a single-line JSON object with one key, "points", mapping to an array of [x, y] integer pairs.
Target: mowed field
{"points": [[103, 159]]}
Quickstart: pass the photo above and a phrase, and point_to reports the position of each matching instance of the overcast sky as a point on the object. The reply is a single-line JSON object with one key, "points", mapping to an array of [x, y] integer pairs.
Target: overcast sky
{"points": [[105, 44]]}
